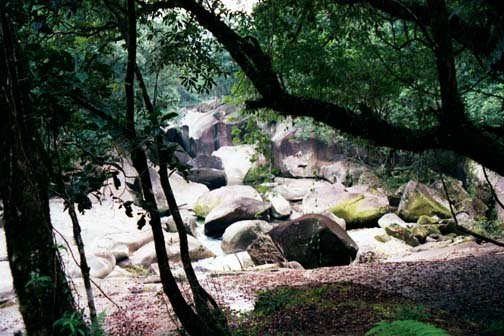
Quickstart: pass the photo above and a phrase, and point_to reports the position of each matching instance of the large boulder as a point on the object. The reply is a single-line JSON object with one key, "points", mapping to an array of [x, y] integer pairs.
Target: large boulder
{"points": [[207, 170], [210, 128], [264, 251], [499, 191], [3, 245], [146, 255], [207, 161], [314, 241], [342, 171], [119, 250], [224, 215], [322, 197], [402, 233], [122, 244], [189, 219], [375, 245], [280, 207], [338, 220], [101, 263], [186, 192], [297, 154], [212, 178], [237, 161], [418, 200], [389, 219], [358, 205], [295, 189], [241, 234], [483, 191], [225, 263], [412, 234], [462, 201], [180, 136], [214, 198]]}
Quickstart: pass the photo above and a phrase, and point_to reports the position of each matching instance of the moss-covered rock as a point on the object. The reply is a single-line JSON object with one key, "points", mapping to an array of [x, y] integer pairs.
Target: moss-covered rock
{"points": [[419, 200], [359, 207], [389, 219], [423, 220], [382, 238], [412, 234], [402, 233], [419, 232]]}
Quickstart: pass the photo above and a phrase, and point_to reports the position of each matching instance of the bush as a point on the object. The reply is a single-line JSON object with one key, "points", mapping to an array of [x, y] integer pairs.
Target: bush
{"points": [[412, 312], [405, 328]]}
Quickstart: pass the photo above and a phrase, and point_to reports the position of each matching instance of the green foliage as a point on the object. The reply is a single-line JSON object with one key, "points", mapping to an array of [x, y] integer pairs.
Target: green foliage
{"points": [[489, 228], [411, 312], [259, 174], [271, 301], [495, 328], [252, 133], [96, 326], [307, 128], [38, 282], [405, 328], [71, 324], [383, 66]]}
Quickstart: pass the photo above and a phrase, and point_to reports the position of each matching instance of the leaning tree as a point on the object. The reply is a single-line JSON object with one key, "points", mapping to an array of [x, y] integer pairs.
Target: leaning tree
{"points": [[454, 39]]}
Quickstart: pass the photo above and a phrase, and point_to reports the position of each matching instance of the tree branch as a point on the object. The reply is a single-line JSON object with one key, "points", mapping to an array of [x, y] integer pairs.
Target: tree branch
{"points": [[482, 146]]}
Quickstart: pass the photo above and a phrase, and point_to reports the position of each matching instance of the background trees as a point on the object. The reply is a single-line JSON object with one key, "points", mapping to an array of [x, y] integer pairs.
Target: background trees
{"points": [[440, 39], [411, 75]]}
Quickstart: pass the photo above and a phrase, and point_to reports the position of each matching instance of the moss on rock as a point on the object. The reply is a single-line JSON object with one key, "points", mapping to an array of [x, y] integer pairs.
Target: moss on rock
{"points": [[419, 200], [403, 234], [356, 210]]}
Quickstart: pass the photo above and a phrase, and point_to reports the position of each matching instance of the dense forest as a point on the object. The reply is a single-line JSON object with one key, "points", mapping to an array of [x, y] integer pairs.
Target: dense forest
{"points": [[271, 167]]}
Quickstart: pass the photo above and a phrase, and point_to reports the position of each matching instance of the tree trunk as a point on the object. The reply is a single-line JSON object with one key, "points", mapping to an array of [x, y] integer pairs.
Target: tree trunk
{"points": [[83, 259], [192, 323], [43, 292], [206, 307]]}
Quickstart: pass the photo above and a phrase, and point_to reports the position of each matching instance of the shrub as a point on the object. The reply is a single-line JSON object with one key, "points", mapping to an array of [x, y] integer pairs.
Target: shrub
{"points": [[405, 328]]}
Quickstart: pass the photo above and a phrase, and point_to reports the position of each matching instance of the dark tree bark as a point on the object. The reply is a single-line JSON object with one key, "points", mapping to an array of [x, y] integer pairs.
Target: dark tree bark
{"points": [[43, 292]]}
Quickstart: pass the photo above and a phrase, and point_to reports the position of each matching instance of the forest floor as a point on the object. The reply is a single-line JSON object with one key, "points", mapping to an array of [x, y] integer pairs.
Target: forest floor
{"points": [[460, 291]]}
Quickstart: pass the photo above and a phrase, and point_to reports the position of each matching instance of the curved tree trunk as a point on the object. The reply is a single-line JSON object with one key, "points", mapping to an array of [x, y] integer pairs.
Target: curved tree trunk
{"points": [[43, 292], [194, 324], [206, 307]]}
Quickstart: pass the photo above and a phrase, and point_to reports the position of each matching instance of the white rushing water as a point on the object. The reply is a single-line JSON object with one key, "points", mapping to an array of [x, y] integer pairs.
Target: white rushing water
{"points": [[212, 244]]}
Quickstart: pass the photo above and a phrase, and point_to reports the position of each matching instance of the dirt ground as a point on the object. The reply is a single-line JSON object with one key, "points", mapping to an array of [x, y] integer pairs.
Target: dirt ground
{"points": [[467, 281]]}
